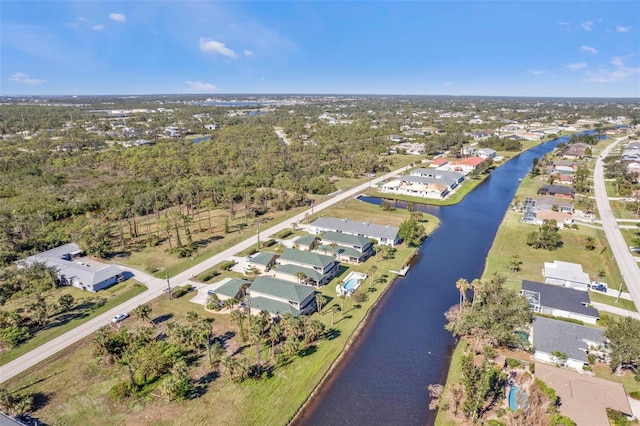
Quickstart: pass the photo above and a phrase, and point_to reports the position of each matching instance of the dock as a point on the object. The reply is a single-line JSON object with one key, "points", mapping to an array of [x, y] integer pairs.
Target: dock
{"points": [[402, 272]]}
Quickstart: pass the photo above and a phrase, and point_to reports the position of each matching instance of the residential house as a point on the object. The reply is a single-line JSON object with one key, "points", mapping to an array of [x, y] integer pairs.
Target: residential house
{"points": [[575, 151], [233, 289], [424, 183], [566, 274], [482, 134], [279, 297], [387, 235], [557, 191], [532, 136], [262, 261], [551, 336], [72, 271], [345, 247], [486, 153], [467, 165], [409, 148], [305, 242], [439, 162], [293, 261], [559, 301]]}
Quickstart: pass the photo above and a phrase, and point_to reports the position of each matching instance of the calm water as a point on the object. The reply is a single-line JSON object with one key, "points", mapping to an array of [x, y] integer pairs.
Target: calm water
{"points": [[404, 347]]}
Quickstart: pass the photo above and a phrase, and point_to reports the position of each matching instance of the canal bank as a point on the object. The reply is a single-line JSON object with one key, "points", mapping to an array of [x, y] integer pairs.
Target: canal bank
{"points": [[403, 346]]}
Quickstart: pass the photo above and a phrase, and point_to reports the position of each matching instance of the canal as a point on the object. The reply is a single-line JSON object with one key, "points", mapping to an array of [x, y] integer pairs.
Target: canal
{"points": [[403, 348]]}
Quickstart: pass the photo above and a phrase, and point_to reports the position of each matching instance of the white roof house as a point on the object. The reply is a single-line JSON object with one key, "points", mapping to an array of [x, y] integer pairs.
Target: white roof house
{"points": [[75, 273], [566, 274], [382, 234]]}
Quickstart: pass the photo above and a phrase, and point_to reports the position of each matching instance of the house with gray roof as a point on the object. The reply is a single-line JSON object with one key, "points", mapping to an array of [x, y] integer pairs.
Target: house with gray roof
{"points": [[325, 267], [550, 335], [306, 242], [387, 235], [279, 297], [559, 301], [232, 289], [346, 247], [74, 272], [566, 274], [262, 261], [487, 153]]}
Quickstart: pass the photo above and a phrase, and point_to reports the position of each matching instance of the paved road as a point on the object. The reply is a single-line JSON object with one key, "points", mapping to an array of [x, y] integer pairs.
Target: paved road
{"points": [[615, 310], [626, 262], [157, 286]]}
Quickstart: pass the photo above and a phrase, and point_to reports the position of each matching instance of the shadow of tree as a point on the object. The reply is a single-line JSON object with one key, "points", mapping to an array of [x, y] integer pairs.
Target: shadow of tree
{"points": [[332, 333], [162, 318], [309, 350]]}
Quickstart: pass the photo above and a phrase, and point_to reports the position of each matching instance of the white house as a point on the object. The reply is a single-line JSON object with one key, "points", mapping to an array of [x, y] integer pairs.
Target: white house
{"points": [[387, 235], [566, 274], [559, 301]]}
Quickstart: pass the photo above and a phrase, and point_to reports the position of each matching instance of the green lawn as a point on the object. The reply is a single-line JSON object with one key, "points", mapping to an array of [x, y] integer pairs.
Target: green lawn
{"points": [[610, 299], [93, 307], [510, 240]]}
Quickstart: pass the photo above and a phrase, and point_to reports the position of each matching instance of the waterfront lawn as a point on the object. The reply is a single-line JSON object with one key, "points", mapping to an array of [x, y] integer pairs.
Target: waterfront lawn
{"points": [[72, 388], [86, 306], [366, 212], [510, 240], [446, 418]]}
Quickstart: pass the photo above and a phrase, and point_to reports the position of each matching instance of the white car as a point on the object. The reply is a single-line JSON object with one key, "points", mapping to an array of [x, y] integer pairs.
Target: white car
{"points": [[119, 317]]}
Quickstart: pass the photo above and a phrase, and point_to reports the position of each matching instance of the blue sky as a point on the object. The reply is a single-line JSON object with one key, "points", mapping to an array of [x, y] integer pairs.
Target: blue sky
{"points": [[499, 48]]}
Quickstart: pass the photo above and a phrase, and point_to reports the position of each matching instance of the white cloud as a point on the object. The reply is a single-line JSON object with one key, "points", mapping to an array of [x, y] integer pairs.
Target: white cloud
{"points": [[215, 47], [98, 27], [538, 72], [82, 18], [623, 29], [577, 66], [118, 17], [448, 83], [589, 49], [248, 52], [587, 25], [620, 72], [23, 78], [200, 86]]}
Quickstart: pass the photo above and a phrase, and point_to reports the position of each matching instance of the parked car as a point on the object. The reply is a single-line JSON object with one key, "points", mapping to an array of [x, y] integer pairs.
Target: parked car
{"points": [[119, 317], [599, 286], [634, 249]]}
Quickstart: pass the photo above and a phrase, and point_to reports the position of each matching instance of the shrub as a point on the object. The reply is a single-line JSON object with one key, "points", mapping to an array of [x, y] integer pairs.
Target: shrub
{"points": [[284, 233], [120, 391], [181, 291], [208, 275], [269, 243], [225, 266], [513, 363]]}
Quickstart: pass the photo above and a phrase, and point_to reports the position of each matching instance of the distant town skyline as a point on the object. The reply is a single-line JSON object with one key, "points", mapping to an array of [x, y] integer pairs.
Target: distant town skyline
{"points": [[472, 48]]}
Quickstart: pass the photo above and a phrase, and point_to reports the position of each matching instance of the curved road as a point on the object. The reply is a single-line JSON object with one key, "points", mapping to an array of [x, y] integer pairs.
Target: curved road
{"points": [[626, 262], [157, 286]]}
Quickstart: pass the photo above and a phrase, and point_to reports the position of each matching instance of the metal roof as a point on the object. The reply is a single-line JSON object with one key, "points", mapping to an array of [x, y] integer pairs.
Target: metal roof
{"points": [[349, 226]]}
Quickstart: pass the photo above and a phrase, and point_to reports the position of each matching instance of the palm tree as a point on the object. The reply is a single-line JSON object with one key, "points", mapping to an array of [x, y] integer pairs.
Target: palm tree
{"points": [[275, 335], [463, 286], [300, 276], [143, 312], [319, 302], [477, 286], [237, 317], [333, 247], [516, 264], [372, 271]]}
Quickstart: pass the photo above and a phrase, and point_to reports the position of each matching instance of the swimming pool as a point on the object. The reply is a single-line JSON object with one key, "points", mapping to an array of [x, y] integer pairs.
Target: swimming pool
{"points": [[515, 394], [352, 284]]}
